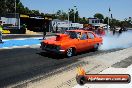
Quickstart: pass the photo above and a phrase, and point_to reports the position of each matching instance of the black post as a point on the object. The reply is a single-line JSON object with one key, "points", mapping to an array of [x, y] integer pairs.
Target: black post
{"points": [[44, 30]]}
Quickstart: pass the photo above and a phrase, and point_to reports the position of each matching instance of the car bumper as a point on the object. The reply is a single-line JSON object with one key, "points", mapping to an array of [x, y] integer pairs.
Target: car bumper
{"points": [[53, 50]]}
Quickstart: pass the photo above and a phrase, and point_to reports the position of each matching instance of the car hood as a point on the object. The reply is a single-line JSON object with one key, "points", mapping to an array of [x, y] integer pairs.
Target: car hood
{"points": [[58, 39]]}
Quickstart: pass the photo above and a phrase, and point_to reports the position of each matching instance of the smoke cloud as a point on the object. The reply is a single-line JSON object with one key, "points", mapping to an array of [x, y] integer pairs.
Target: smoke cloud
{"points": [[117, 41]]}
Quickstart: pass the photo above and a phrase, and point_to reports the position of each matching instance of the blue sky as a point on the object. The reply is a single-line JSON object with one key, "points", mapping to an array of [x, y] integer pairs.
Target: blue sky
{"points": [[120, 9]]}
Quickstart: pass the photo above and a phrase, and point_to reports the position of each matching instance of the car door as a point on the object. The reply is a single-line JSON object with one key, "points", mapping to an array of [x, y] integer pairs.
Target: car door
{"points": [[83, 42], [91, 42]]}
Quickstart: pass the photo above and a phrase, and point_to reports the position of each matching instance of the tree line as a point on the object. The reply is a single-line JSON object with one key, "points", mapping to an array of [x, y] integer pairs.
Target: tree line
{"points": [[127, 22], [8, 6]]}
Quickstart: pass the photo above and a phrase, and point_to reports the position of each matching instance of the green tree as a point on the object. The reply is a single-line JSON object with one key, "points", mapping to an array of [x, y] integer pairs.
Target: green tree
{"points": [[10, 4], [36, 12], [54, 16], [71, 15], [64, 16], [106, 20], [7, 6], [76, 16], [2, 7], [20, 8], [112, 22], [61, 15], [58, 12], [99, 16], [83, 20]]}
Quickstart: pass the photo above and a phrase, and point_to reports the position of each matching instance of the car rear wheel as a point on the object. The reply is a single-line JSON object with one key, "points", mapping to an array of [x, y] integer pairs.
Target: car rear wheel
{"points": [[69, 52]]}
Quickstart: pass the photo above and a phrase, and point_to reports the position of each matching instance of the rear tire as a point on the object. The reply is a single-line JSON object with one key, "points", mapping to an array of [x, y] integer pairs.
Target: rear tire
{"points": [[96, 47]]}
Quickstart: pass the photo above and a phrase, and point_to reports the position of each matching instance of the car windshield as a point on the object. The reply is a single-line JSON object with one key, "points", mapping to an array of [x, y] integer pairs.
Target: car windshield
{"points": [[73, 34]]}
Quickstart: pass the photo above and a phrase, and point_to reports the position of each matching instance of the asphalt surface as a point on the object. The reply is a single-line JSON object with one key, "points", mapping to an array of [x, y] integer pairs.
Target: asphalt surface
{"points": [[17, 65], [124, 63]]}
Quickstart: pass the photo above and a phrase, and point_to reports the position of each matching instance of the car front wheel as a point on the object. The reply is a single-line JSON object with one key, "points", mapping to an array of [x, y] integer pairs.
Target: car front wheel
{"points": [[69, 52]]}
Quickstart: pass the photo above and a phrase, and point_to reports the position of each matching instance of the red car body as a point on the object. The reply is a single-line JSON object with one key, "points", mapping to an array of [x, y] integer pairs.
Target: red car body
{"points": [[71, 42]]}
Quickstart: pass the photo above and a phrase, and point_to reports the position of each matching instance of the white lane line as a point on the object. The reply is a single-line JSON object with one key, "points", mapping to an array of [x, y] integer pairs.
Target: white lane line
{"points": [[15, 46], [5, 47], [28, 38], [23, 38], [5, 40], [38, 44], [24, 46]]}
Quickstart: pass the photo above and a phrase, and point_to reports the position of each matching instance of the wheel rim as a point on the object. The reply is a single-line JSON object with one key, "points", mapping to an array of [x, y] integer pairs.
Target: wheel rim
{"points": [[69, 52]]}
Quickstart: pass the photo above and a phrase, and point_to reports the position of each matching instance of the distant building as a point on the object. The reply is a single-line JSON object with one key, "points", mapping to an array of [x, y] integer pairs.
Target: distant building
{"points": [[96, 22], [11, 20], [76, 25], [60, 23], [64, 25], [14, 23]]}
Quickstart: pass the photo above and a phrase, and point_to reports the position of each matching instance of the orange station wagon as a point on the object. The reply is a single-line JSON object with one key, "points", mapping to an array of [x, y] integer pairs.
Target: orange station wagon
{"points": [[71, 42]]}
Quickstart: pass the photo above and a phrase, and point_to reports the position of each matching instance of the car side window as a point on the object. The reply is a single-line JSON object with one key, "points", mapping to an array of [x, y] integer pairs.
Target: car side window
{"points": [[84, 36], [78, 35], [91, 35], [72, 34]]}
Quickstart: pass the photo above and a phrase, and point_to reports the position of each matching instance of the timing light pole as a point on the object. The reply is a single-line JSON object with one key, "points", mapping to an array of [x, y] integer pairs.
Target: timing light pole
{"points": [[68, 18], [74, 13], [108, 19], [15, 8]]}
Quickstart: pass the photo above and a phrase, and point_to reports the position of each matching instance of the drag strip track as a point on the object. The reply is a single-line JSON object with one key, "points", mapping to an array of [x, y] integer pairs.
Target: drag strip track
{"points": [[32, 64]]}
